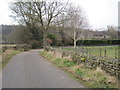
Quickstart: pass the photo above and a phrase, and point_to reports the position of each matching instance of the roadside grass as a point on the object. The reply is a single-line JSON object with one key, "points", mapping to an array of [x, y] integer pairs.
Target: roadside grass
{"points": [[7, 56], [90, 78], [111, 51]]}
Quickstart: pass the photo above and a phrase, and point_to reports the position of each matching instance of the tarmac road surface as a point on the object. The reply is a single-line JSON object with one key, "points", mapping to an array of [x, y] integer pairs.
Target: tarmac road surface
{"points": [[30, 70]]}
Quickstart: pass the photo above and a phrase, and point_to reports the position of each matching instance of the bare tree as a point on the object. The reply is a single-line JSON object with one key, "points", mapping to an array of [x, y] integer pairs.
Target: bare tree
{"points": [[112, 31], [41, 13], [76, 23]]}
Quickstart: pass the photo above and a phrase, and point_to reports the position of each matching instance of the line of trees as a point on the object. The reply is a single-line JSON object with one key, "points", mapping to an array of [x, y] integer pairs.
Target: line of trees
{"points": [[37, 18], [56, 36], [50, 22]]}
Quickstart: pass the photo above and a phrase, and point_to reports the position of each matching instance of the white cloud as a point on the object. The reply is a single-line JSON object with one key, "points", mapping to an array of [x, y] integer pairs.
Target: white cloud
{"points": [[100, 12], [5, 12]]}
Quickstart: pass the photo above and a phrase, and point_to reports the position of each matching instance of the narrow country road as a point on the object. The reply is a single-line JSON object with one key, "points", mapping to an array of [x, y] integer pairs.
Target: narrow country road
{"points": [[30, 70]]}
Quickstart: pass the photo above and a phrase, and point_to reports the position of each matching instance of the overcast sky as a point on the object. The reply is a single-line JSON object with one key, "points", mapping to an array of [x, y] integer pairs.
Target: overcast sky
{"points": [[100, 13]]}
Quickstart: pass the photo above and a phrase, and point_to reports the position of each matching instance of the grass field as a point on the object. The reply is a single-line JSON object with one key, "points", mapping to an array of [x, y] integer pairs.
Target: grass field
{"points": [[105, 51]]}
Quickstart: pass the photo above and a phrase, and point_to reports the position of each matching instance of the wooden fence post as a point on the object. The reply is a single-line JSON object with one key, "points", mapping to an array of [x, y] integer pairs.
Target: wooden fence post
{"points": [[105, 53], [89, 51], [86, 50], [115, 53], [100, 52]]}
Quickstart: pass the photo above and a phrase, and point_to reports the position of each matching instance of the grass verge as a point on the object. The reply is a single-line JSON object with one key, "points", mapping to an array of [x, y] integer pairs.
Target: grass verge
{"points": [[7, 56], [88, 77]]}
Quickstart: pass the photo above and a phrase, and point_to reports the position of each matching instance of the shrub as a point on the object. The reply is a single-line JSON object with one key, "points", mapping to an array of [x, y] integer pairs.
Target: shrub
{"points": [[4, 49], [79, 57], [26, 47], [83, 59], [76, 57], [18, 47], [47, 48], [65, 53], [34, 44], [51, 39]]}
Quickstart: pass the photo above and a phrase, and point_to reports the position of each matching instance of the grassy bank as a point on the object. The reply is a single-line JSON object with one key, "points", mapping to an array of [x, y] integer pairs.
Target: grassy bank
{"points": [[7, 55], [89, 77]]}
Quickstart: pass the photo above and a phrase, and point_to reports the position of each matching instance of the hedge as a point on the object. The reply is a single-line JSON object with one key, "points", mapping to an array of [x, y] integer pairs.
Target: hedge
{"points": [[98, 42]]}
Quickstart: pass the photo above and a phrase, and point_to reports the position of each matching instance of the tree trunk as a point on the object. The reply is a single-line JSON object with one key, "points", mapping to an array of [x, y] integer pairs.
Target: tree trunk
{"points": [[74, 39], [44, 38], [75, 43]]}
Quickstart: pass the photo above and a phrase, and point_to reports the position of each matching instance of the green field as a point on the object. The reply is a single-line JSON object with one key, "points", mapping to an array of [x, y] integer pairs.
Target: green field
{"points": [[104, 51]]}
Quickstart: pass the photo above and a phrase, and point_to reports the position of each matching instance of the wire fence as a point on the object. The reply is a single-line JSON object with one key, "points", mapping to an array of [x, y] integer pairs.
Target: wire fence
{"points": [[102, 51]]}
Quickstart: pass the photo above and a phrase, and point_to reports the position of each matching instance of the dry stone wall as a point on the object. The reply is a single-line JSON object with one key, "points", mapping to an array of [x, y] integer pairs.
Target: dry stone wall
{"points": [[111, 66]]}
